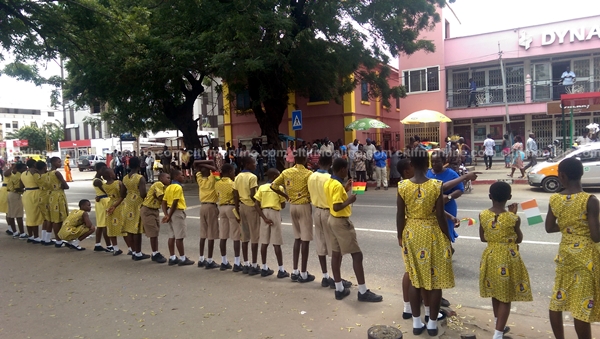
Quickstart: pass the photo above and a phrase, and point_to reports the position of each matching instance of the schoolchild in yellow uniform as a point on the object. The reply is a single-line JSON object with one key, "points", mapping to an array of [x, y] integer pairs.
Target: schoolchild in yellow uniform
{"points": [[45, 189], [174, 206], [102, 204], [268, 205], [150, 214], [229, 223], [574, 213], [244, 189], [135, 192], [209, 212], [14, 186], [502, 274], [114, 214], [57, 201], [4, 203], [31, 202], [77, 226]]}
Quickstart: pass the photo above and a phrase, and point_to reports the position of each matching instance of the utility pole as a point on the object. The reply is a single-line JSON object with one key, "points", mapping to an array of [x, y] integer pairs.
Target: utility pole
{"points": [[62, 98], [505, 98]]}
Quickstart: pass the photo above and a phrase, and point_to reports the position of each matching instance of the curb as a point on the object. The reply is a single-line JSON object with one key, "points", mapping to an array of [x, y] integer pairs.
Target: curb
{"points": [[509, 181]]}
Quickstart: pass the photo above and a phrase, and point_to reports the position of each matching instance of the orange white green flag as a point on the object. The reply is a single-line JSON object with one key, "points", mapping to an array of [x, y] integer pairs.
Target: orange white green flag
{"points": [[359, 188], [217, 175], [532, 212]]}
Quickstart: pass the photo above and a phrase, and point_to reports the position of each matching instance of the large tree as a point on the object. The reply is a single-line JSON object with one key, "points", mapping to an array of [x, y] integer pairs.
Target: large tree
{"points": [[274, 47], [39, 138]]}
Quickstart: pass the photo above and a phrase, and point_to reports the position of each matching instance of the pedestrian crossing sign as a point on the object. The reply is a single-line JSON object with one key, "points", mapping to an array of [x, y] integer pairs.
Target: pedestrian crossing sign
{"points": [[297, 120]]}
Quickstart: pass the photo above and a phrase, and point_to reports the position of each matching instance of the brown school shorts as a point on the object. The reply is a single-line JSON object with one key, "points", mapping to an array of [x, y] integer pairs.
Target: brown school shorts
{"points": [[343, 235], [271, 234], [322, 232], [150, 221], [229, 227], [250, 225], [302, 222], [209, 221], [177, 225]]}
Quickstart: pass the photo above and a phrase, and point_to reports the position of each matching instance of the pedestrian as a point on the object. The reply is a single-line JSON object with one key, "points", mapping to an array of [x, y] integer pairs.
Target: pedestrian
{"points": [[574, 213], [77, 226], [229, 222], [185, 159], [102, 204], [395, 176], [465, 152], [327, 147], [532, 150], [149, 214], [489, 150], [360, 164], [68, 176], [209, 212], [289, 157], [352, 149], [271, 157], [425, 240], [57, 201], [4, 202], [268, 205], [219, 161], [165, 159], [369, 150], [343, 235], [380, 160], [14, 199], [502, 274], [506, 151], [244, 189], [257, 150], [150, 167], [143, 166], [135, 193], [321, 214], [174, 206], [295, 182], [114, 213], [118, 169], [517, 157], [472, 93]]}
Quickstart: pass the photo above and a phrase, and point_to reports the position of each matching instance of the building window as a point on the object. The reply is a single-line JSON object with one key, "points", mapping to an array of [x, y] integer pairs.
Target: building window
{"points": [[364, 91], [33, 124], [96, 108], [422, 80], [315, 97], [398, 103], [50, 114], [242, 100], [15, 124], [489, 85], [8, 125]]}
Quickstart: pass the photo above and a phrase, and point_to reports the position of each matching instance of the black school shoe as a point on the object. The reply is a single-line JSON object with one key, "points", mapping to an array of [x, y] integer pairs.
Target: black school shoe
{"points": [[99, 249], [225, 267], [77, 248], [339, 295], [432, 333], [345, 283], [282, 274], [47, 243], [141, 257], [186, 262], [266, 273], [9, 232], [202, 263], [369, 296], [59, 245], [294, 277], [246, 269], [158, 258], [173, 262], [254, 270], [445, 303], [418, 331], [406, 315], [238, 268], [119, 252], [309, 278], [211, 265]]}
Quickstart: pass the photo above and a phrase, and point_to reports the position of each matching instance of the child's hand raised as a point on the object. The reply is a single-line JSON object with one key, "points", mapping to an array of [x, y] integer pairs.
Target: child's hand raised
{"points": [[513, 208], [348, 186]]}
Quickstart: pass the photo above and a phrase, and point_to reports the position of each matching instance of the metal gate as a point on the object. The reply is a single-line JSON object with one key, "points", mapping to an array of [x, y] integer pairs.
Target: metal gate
{"points": [[543, 132], [386, 139], [425, 131]]}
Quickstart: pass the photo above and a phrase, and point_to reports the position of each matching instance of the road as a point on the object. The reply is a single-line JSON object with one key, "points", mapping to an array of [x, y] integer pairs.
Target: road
{"points": [[374, 217]]}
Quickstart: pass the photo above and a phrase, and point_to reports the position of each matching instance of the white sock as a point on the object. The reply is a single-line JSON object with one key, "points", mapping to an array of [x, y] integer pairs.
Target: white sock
{"points": [[339, 286], [201, 258], [209, 260], [155, 253], [304, 275], [75, 242], [427, 312], [417, 323], [246, 263], [498, 334], [224, 259], [129, 249], [325, 275], [138, 254], [38, 239], [98, 244], [31, 238], [115, 247], [109, 246], [432, 324], [182, 258], [59, 242], [44, 235], [236, 260], [281, 269], [265, 267], [173, 257], [362, 289], [407, 308], [296, 272], [495, 321], [254, 264]]}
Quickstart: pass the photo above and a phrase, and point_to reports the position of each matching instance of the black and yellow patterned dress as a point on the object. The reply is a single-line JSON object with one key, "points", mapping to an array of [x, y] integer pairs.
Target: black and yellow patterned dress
{"points": [[114, 221], [31, 199], [577, 282], [427, 251], [132, 204], [45, 189], [4, 195], [59, 210], [502, 274]]}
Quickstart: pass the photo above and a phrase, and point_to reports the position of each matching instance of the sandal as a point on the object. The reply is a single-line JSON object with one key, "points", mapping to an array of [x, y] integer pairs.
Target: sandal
{"points": [[521, 177], [509, 175]]}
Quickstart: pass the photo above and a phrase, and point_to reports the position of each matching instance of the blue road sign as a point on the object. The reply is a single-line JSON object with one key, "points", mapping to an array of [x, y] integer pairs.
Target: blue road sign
{"points": [[297, 120]]}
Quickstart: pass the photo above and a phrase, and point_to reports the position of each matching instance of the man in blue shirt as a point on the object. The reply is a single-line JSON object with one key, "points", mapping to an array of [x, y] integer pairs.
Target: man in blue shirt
{"points": [[380, 157], [473, 92]]}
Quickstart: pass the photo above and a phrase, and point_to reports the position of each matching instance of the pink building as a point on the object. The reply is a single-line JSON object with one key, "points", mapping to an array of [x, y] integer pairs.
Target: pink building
{"points": [[320, 118], [534, 58]]}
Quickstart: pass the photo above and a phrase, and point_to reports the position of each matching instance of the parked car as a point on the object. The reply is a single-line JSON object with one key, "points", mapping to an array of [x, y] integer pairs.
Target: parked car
{"points": [[545, 174], [89, 161]]}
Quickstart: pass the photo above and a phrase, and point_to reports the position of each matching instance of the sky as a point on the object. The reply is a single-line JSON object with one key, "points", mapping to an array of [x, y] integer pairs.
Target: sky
{"points": [[476, 16]]}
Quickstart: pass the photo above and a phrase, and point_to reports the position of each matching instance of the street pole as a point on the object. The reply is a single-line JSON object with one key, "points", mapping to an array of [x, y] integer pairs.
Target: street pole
{"points": [[504, 95], [62, 98], [572, 127], [564, 127]]}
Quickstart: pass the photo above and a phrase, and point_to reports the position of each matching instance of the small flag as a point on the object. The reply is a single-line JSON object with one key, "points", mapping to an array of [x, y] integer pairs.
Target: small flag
{"points": [[359, 188], [532, 212], [217, 175], [470, 221]]}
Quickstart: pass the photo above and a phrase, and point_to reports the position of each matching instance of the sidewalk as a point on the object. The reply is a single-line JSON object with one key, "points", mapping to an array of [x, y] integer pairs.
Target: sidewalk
{"points": [[497, 173]]}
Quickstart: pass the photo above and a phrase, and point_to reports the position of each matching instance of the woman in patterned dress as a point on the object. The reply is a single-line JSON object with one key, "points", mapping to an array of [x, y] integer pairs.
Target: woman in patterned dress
{"points": [[4, 201], [57, 202], [502, 274], [574, 213], [102, 204], [135, 188], [423, 234], [114, 214], [45, 189], [34, 218]]}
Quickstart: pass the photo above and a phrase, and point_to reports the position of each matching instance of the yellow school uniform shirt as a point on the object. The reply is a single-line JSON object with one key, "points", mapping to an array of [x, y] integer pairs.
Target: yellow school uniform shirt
{"points": [[336, 194], [224, 188], [14, 182], [156, 190], [295, 181], [244, 182], [175, 192], [206, 187], [316, 183], [268, 198], [4, 195]]}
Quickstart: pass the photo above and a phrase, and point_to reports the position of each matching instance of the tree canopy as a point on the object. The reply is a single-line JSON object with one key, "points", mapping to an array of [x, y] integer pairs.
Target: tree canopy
{"points": [[38, 137]]}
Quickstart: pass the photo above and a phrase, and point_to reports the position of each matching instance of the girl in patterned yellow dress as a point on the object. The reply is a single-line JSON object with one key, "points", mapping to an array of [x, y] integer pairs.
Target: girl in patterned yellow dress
{"points": [[502, 274], [31, 181], [135, 186], [423, 233], [45, 189], [4, 201], [574, 213], [57, 202], [114, 214], [102, 204]]}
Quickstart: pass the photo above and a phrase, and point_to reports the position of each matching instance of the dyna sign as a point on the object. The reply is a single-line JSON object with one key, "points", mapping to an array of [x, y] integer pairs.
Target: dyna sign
{"points": [[561, 35]]}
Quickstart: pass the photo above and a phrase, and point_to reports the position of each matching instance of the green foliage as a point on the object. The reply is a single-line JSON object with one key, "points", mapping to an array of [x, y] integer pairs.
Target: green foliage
{"points": [[39, 136]]}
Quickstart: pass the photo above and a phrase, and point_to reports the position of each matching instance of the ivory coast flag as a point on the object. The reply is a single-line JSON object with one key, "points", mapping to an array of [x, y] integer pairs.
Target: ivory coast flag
{"points": [[359, 188], [532, 212], [470, 221], [217, 175]]}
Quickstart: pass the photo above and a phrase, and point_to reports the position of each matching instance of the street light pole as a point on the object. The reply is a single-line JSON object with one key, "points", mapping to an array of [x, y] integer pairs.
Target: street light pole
{"points": [[62, 99]]}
